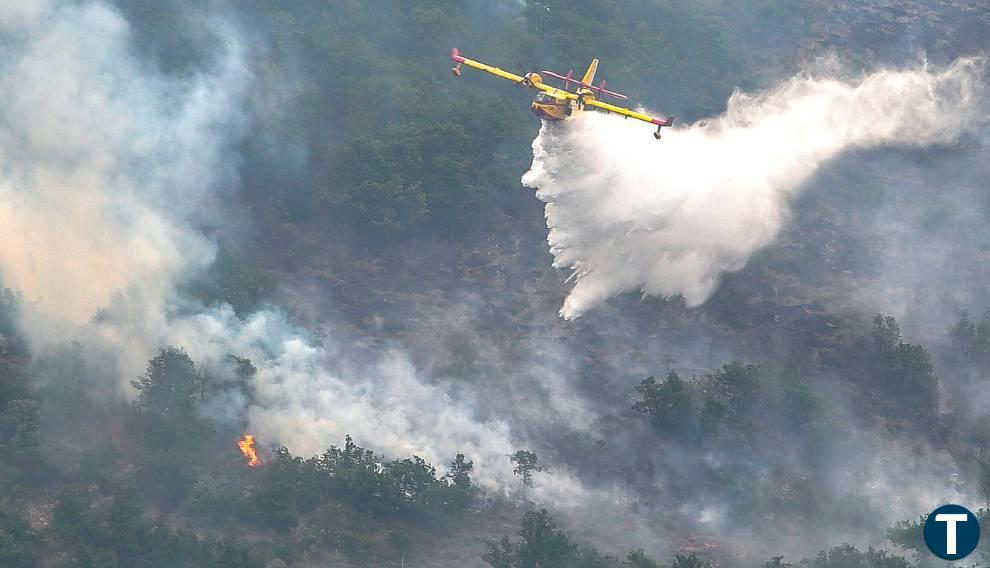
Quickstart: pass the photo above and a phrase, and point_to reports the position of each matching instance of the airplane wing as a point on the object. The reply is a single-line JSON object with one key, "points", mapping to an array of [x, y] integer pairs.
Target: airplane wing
{"points": [[555, 92], [630, 113], [531, 80], [456, 56]]}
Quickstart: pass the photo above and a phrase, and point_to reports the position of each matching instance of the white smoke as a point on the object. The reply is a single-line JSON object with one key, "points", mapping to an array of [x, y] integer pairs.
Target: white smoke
{"points": [[669, 218], [110, 171], [102, 161], [110, 174], [308, 395]]}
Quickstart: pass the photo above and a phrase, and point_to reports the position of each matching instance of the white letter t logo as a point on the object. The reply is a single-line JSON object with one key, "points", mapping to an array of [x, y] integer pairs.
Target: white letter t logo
{"points": [[950, 521]]}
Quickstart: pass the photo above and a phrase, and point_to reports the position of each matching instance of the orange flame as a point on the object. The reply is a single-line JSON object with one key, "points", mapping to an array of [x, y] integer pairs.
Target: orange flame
{"points": [[246, 444]]}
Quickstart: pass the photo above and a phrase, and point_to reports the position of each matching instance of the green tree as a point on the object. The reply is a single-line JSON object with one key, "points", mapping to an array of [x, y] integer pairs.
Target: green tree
{"points": [[125, 526], [236, 280], [971, 341], [886, 333], [414, 484], [738, 384], [848, 556], [462, 490], [13, 383], [290, 485], [902, 368], [690, 561], [169, 385], [543, 545], [963, 335], [881, 558], [173, 438], [712, 417], [18, 543], [526, 464], [72, 518], [908, 534], [21, 420], [799, 405], [213, 496], [639, 559], [12, 344], [668, 404], [981, 341], [460, 472]]}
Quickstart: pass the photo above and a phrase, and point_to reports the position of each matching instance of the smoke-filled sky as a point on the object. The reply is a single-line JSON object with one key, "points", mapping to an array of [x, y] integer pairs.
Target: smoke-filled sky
{"points": [[107, 166], [115, 177], [626, 213], [111, 172]]}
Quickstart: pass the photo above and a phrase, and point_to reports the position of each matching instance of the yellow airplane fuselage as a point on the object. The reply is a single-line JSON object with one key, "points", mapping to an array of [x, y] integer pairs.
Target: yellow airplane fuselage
{"points": [[548, 107], [551, 111]]}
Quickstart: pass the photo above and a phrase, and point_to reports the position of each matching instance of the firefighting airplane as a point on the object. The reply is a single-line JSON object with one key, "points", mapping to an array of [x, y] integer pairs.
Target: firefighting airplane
{"points": [[557, 104]]}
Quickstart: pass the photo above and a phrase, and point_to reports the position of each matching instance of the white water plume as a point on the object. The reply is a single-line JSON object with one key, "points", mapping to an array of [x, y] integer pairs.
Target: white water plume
{"points": [[669, 218]]}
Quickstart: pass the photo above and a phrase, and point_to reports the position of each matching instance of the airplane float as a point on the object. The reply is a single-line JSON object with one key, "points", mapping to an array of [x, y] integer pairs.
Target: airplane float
{"points": [[552, 103]]}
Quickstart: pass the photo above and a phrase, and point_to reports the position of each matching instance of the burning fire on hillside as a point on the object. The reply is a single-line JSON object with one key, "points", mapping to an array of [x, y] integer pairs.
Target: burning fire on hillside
{"points": [[246, 444]]}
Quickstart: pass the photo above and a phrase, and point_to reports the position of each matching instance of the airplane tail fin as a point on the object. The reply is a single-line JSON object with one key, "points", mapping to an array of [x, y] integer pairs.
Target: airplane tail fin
{"points": [[589, 75]]}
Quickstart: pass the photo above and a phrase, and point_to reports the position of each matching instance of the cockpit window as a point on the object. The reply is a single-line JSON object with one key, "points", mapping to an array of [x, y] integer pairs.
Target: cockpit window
{"points": [[544, 98]]}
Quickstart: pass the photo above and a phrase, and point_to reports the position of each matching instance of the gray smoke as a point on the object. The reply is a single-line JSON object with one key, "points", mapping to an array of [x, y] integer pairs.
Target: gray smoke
{"points": [[111, 173], [107, 166]]}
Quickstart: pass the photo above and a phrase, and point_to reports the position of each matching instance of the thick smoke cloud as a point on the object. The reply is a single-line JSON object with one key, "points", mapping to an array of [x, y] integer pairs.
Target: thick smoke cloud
{"points": [[670, 218], [103, 165], [113, 175], [112, 179], [309, 395]]}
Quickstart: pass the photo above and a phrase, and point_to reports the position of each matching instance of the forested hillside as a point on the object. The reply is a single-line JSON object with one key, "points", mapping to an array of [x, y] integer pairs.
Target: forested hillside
{"points": [[287, 220]]}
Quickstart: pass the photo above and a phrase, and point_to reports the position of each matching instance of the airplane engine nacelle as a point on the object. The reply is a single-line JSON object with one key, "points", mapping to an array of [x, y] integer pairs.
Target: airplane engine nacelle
{"points": [[535, 78]]}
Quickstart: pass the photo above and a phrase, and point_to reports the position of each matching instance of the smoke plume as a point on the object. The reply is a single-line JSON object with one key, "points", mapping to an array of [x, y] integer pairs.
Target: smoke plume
{"points": [[114, 173], [625, 212], [310, 394], [112, 177], [103, 161]]}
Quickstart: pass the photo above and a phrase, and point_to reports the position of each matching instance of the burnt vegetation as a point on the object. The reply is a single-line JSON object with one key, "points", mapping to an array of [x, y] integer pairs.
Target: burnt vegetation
{"points": [[374, 152]]}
